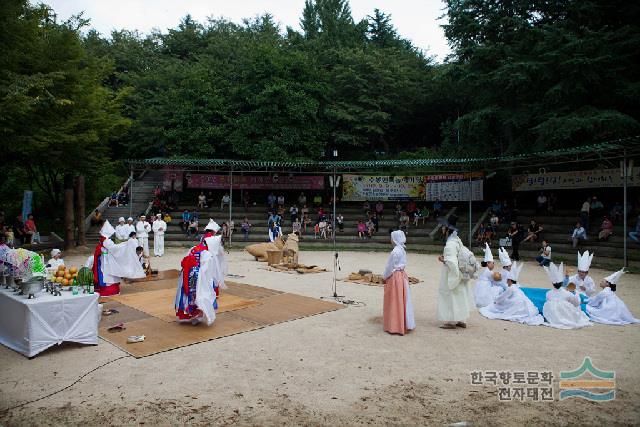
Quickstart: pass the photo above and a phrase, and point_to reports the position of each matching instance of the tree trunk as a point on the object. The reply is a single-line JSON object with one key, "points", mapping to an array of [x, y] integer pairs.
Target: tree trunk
{"points": [[80, 212], [69, 241]]}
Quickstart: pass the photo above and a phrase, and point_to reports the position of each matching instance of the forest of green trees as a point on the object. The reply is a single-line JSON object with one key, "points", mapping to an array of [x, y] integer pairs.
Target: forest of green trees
{"points": [[524, 75]]}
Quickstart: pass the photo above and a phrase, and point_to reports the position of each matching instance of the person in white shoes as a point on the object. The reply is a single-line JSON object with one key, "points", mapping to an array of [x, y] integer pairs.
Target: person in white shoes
{"points": [[143, 228], [562, 308], [159, 227], [513, 305], [606, 307]]}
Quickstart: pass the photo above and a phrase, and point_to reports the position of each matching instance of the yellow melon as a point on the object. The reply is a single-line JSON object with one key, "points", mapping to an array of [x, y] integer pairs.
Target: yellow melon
{"points": [[67, 276], [73, 270], [65, 282], [61, 267]]}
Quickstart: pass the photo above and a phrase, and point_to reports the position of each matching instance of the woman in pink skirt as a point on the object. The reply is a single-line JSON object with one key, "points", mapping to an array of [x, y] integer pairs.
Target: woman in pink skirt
{"points": [[398, 311]]}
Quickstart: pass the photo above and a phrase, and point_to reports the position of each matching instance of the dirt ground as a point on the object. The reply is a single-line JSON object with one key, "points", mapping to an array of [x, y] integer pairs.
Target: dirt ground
{"points": [[337, 368]]}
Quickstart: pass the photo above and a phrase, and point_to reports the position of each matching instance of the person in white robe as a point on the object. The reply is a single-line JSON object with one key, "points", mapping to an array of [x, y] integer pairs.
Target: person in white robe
{"points": [[159, 227], [131, 225], [56, 260], [216, 249], [505, 261], [143, 228], [584, 283], [398, 315], [513, 305], [486, 289], [562, 308], [454, 293], [606, 307], [112, 262], [122, 230]]}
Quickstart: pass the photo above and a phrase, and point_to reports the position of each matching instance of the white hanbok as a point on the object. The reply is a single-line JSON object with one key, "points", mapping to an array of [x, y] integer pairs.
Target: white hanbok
{"points": [[562, 310], [486, 290], [120, 261], [142, 233], [513, 305], [159, 227], [588, 283], [122, 232], [454, 293], [214, 245], [606, 307]]}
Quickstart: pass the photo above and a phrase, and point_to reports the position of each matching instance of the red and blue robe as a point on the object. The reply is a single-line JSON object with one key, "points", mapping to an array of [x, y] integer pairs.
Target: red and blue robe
{"points": [[185, 303], [104, 289]]}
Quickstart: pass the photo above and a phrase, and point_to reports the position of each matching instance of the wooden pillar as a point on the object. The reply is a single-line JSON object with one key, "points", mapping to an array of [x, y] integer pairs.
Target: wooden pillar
{"points": [[80, 211], [69, 238]]}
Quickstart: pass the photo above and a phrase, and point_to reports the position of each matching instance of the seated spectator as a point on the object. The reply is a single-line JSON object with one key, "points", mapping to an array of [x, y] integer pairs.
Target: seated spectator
{"points": [[481, 233], [293, 213], [375, 221], [304, 211], [302, 199], [296, 227], [280, 210], [533, 233], [578, 234], [403, 222], [340, 221], [195, 214], [317, 200], [494, 222], [323, 228], [193, 227], [225, 201], [371, 228], [281, 200], [380, 209], [30, 229], [96, 218], [496, 207], [398, 210], [123, 198], [437, 208], [246, 200], [635, 234], [606, 229], [412, 208], [246, 228], [184, 224], [157, 192], [366, 208], [362, 229], [271, 200], [616, 214], [544, 258], [202, 200], [167, 218], [596, 206], [226, 233], [316, 230], [424, 214], [113, 200]]}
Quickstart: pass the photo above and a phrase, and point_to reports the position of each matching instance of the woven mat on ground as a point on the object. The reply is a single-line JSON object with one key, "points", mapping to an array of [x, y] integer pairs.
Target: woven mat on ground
{"points": [[146, 308]]}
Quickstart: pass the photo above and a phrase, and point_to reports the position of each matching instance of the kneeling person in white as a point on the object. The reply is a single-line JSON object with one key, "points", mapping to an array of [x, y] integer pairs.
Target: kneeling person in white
{"points": [[513, 304], [562, 308], [584, 283], [606, 307], [487, 289], [159, 227]]}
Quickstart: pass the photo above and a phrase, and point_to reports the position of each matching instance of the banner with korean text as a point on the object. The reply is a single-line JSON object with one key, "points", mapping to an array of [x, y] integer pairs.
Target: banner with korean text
{"points": [[372, 187], [455, 187], [255, 182], [597, 178]]}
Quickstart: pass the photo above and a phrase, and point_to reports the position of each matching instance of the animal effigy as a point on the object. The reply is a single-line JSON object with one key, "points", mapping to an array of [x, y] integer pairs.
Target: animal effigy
{"points": [[259, 250], [290, 250]]}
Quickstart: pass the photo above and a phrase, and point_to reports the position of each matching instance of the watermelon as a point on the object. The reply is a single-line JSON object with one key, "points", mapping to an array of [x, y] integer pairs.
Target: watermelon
{"points": [[84, 277]]}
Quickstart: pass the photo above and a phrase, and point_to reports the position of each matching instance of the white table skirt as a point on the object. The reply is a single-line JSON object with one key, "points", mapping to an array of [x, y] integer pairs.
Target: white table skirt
{"points": [[30, 326]]}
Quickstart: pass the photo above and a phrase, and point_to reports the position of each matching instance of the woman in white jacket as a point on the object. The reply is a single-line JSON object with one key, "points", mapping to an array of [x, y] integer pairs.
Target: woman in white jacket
{"points": [[562, 308]]}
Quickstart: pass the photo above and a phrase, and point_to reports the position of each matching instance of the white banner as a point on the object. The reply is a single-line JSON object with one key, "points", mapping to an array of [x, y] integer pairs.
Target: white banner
{"points": [[598, 178], [455, 187]]}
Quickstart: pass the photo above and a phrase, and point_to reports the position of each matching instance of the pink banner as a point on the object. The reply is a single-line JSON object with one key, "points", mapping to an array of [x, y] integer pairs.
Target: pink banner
{"points": [[256, 182]]}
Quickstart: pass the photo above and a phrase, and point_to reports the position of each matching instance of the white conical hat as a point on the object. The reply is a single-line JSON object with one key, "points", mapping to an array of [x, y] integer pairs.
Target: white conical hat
{"points": [[555, 273], [488, 257], [504, 257], [213, 226], [107, 230], [613, 278], [121, 219], [514, 273], [584, 261]]}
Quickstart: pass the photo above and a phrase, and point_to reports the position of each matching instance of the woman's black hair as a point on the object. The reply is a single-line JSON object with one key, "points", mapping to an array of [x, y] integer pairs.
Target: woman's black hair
{"points": [[139, 248], [483, 263], [557, 285], [612, 287], [133, 233]]}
